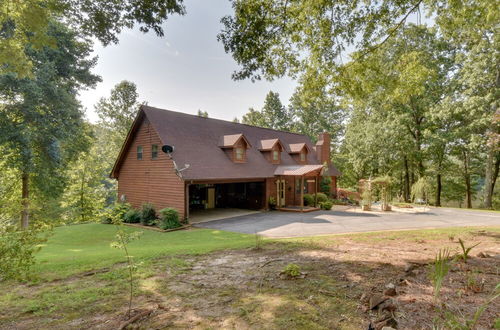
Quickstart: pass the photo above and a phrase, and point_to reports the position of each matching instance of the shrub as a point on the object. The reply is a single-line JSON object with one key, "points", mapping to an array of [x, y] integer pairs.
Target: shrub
{"points": [[327, 205], [132, 216], [148, 214], [291, 270], [169, 218], [116, 211], [321, 197], [325, 184], [308, 199]]}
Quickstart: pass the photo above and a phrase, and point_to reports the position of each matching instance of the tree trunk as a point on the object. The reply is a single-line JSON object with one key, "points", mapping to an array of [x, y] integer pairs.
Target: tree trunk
{"points": [[407, 181], [438, 190], [468, 192], [488, 179], [25, 214]]}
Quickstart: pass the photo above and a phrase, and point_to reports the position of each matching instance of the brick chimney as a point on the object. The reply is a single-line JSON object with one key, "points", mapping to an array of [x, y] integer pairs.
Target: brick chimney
{"points": [[323, 148]]}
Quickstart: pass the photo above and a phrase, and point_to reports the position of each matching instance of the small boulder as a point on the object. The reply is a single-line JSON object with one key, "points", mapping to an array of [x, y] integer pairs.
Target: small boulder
{"points": [[483, 255]]}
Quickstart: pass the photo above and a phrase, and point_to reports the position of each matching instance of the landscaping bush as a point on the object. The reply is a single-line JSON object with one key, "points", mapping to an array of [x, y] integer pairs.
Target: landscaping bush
{"points": [[327, 205], [132, 216], [148, 214], [115, 211], [321, 197], [308, 200], [325, 185], [169, 218]]}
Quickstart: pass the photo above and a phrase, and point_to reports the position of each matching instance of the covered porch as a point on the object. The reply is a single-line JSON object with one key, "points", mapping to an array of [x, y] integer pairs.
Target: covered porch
{"points": [[305, 178]]}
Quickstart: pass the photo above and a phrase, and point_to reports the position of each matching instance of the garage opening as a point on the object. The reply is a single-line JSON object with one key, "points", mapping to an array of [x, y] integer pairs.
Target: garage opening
{"points": [[223, 200]]}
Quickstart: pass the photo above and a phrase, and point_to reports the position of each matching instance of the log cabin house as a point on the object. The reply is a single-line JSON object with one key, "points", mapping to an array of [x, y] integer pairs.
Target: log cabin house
{"points": [[211, 163]]}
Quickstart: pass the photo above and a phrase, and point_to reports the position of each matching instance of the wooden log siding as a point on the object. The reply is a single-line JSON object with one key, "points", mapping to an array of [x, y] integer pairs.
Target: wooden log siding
{"points": [[150, 180]]}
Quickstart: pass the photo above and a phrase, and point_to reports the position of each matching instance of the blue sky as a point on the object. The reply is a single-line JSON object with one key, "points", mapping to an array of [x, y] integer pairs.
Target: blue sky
{"points": [[184, 71]]}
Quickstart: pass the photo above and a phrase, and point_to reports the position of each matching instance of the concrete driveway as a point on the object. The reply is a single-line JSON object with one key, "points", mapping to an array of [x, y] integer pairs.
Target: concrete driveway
{"points": [[284, 224]]}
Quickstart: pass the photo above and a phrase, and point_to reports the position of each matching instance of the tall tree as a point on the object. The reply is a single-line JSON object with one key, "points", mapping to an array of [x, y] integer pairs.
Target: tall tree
{"points": [[117, 112], [41, 118], [24, 22], [273, 114]]}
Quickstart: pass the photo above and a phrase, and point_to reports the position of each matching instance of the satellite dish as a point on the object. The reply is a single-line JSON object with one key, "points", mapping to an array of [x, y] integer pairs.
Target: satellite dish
{"points": [[167, 149]]}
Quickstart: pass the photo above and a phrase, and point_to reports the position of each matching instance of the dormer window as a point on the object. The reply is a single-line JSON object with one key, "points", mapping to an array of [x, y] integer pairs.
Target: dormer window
{"points": [[235, 146], [299, 152], [271, 149], [239, 153], [303, 156]]}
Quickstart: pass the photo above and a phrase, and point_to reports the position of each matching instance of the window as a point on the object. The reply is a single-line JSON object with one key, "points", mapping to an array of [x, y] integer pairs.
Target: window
{"points": [[139, 152], [297, 186], [239, 153], [276, 155], [302, 156], [154, 151]]}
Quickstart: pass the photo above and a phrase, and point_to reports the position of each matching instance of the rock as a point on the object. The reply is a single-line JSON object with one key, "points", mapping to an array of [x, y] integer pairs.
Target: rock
{"points": [[388, 328], [390, 286], [391, 292], [483, 255], [376, 300]]}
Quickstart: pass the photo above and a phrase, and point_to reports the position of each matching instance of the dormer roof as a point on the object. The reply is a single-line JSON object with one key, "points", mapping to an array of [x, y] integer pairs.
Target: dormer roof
{"points": [[228, 141], [267, 145], [296, 148]]}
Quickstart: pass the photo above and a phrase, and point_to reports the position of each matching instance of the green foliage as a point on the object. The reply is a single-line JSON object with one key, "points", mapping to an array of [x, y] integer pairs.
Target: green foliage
{"points": [[439, 269], [272, 202], [132, 216], [148, 214], [169, 218], [115, 212], [421, 189], [203, 114], [308, 200], [18, 249], [117, 112], [292, 270], [465, 250], [325, 185], [273, 115], [326, 205], [27, 22]]}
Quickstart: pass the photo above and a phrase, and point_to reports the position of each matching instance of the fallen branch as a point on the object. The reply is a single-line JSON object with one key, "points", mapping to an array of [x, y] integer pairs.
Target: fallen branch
{"points": [[269, 261], [135, 318]]}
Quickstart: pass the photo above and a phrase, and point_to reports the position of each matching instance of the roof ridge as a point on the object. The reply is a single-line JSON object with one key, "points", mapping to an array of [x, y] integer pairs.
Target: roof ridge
{"points": [[227, 121]]}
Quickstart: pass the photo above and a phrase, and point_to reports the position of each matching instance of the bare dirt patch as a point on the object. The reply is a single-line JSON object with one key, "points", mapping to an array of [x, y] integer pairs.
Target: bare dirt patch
{"points": [[343, 277]]}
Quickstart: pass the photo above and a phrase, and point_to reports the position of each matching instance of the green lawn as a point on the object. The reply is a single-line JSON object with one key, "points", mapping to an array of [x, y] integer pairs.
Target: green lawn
{"points": [[79, 248]]}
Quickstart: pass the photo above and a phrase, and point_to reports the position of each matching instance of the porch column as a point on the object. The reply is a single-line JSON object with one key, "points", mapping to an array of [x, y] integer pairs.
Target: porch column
{"points": [[316, 191], [302, 193]]}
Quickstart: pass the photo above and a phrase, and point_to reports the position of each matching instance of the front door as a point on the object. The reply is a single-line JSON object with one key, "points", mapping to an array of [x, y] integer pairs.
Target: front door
{"points": [[280, 187]]}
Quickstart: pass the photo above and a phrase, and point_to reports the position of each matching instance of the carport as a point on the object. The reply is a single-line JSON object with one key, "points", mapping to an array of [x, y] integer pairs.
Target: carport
{"points": [[218, 200]]}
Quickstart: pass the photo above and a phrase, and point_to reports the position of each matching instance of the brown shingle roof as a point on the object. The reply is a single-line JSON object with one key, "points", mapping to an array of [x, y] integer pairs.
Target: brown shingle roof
{"points": [[196, 140]]}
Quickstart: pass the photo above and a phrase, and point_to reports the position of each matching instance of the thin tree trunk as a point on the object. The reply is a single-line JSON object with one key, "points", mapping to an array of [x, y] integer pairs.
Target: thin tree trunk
{"points": [[407, 181], [496, 169], [438, 190], [25, 214], [468, 192], [488, 179]]}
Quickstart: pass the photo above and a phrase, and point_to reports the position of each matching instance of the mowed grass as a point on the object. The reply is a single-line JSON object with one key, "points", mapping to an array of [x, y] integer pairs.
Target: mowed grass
{"points": [[80, 248]]}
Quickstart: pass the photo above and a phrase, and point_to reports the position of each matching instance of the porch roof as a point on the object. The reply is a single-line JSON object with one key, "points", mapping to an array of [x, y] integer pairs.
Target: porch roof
{"points": [[298, 170]]}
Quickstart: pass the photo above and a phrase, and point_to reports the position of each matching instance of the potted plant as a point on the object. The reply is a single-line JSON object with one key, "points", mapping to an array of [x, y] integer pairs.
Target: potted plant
{"points": [[272, 203]]}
